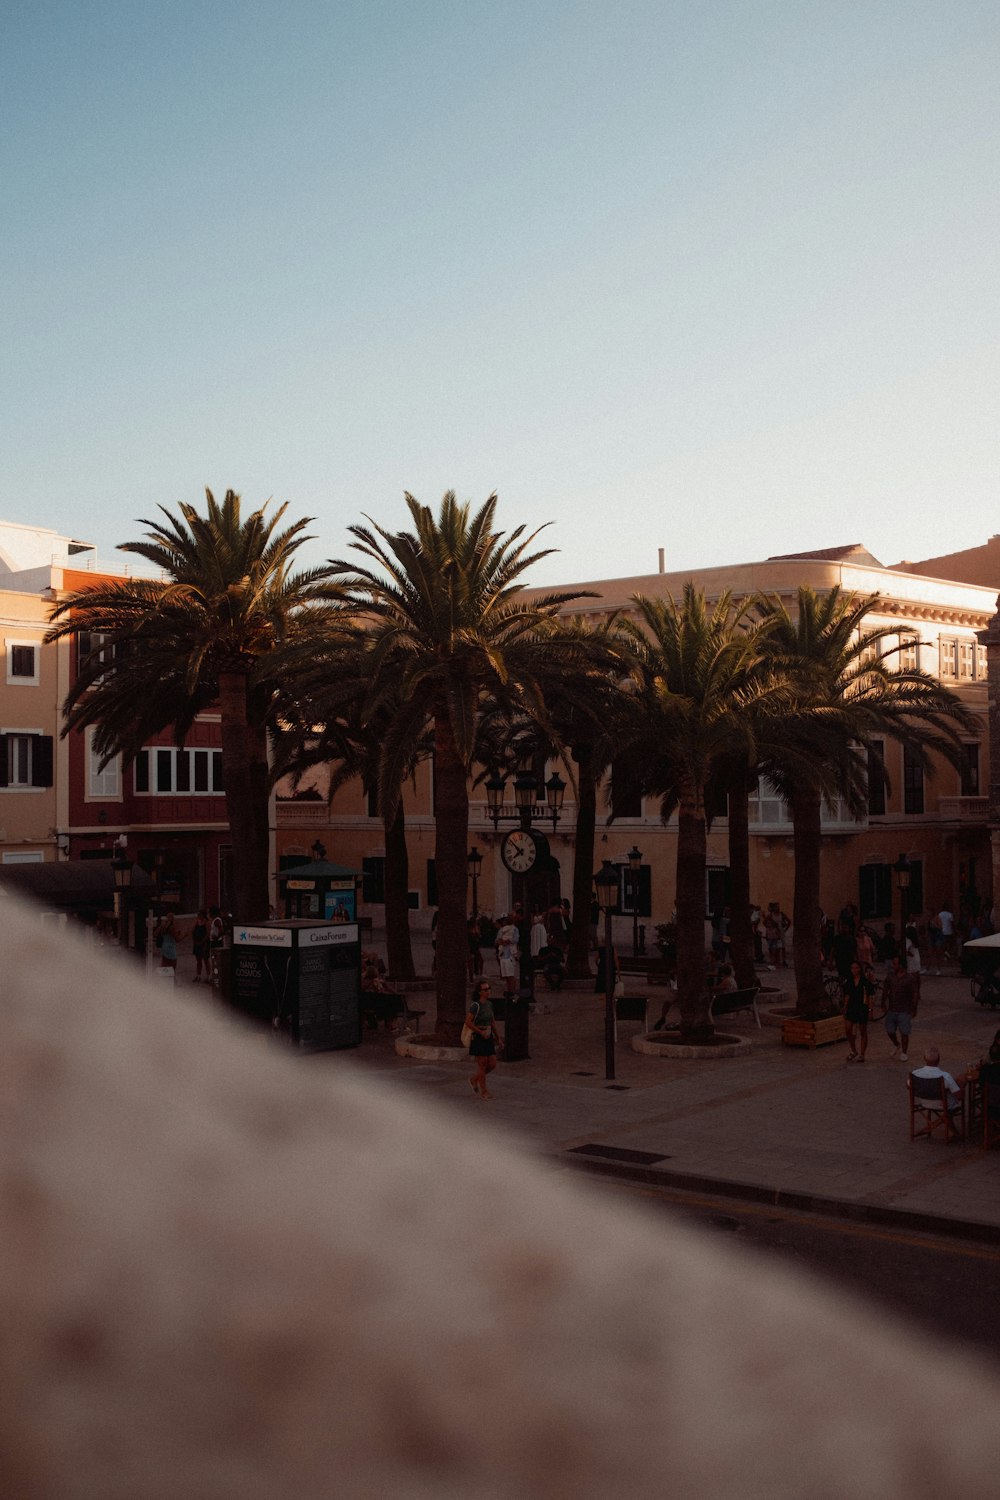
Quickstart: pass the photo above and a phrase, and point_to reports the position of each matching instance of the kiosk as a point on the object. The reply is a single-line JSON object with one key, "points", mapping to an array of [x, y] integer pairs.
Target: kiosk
{"points": [[301, 978]]}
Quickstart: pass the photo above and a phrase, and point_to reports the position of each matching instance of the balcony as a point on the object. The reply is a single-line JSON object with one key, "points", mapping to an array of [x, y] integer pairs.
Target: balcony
{"points": [[964, 809], [769, 815], [302, 814]]}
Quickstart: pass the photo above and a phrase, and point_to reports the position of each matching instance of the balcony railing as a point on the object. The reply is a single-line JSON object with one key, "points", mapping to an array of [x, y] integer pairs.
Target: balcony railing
{"points": [[964, 809], [302, 814]]}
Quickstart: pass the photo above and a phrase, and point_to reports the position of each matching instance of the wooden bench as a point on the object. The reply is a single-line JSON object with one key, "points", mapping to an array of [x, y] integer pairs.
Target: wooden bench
{"points": [[736, 1000]]}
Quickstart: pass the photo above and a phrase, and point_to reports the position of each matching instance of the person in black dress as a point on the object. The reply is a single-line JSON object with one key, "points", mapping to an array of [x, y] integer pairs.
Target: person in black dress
{"points": [[857, 989]]}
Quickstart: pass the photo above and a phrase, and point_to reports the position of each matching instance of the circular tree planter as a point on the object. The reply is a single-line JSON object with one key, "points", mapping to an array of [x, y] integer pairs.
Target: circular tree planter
{"points": [[430, 1051], [723, 1044]]}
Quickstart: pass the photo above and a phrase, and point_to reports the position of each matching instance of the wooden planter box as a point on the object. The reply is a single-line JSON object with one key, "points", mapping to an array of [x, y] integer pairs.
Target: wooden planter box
{"points": [[798, 1032]]}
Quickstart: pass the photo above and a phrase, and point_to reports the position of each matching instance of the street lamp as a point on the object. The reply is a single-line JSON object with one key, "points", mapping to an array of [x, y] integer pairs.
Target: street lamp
{"points": [[318, 850], [634, 866], [121, 869], [475, 863], [606, 886], [902, 870]]}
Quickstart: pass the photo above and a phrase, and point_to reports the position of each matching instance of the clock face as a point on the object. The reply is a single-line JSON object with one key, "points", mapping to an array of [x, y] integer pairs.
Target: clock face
{"points": [[519, 850]]}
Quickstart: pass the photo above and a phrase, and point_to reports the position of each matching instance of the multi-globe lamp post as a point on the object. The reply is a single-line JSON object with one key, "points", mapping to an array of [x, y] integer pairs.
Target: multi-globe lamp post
{"points": [[606, 886], [475, 863], [121, 869], [634, 865], [902, 873]]}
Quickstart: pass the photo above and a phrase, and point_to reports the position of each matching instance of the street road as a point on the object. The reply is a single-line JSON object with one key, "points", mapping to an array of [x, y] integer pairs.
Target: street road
{"points": [[951, 1287]]}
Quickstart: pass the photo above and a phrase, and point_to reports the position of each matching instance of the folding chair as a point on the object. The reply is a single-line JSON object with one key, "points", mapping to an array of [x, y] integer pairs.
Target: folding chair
{"points": [[932, 1103]]}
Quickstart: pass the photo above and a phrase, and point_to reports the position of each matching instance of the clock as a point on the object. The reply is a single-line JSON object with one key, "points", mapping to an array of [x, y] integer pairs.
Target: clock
{"points": [[521, 850]]}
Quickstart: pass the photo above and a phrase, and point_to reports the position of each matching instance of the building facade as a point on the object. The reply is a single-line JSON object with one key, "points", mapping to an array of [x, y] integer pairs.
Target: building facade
{"points": [[940, 821]]}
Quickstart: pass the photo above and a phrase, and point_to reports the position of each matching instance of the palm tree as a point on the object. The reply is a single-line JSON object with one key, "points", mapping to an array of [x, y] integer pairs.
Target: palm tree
{"points": [[195, 638], [448, 626], [845, 695], [330, 725], [695, 689]]}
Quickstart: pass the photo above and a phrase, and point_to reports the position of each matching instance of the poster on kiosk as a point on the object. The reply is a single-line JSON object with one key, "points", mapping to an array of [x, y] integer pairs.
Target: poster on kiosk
{"points": [[302, 978]]}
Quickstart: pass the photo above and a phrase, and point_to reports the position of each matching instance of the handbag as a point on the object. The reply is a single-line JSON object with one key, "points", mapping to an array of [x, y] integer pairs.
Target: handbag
{"points": [[619, 990], [467, 1035]]}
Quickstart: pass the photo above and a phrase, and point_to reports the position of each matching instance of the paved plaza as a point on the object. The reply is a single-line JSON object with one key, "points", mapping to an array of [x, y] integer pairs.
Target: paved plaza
{"points": [[788, 1124], [783, 1124]]}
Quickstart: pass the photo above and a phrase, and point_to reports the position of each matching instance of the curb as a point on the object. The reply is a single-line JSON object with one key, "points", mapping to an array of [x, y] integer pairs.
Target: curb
{"points": [[834, 1208]]}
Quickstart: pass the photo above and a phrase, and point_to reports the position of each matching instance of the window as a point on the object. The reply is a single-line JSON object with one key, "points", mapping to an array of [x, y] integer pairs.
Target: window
{"points": [[373, 871], [635, 892], [948, 658], [875, 887], [970, 770], [106, 784], [869, 653], [909, 648], [22, 664], [913, 782], [92, 644], [962, 660], [180, 773], [626, 798], [25, 759], [876, 780]]}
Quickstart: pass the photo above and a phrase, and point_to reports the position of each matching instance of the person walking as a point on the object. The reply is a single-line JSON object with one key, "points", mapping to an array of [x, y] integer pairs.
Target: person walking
{"points": [[199, 947], [900, 1006], [857, 990], [485, 1040]]}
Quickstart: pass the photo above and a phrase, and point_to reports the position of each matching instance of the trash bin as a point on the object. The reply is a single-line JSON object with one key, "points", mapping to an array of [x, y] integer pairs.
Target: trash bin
{"points": [[515, 1045]]}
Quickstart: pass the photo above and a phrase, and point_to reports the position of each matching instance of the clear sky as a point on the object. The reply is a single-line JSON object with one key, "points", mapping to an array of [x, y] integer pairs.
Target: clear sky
{"points": [[717, 277]]}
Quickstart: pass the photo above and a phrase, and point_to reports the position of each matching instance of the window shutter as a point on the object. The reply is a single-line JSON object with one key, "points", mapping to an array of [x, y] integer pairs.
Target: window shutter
{"points": [[4, 753], [41, 760]]}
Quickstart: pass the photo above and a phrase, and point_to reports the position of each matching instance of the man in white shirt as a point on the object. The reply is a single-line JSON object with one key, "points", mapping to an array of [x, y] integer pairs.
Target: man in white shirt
{"points": [[947, 922], [932, 1069]]}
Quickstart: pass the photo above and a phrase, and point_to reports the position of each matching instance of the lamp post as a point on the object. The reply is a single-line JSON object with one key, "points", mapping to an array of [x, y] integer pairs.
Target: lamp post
{"points": [[475, 863], [121, 869], [635, 865], [902, 870], [606, 886], [318, 850]]}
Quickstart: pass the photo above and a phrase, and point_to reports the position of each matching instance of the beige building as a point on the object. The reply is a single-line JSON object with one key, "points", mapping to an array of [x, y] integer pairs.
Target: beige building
{"points": [[939, 821]]}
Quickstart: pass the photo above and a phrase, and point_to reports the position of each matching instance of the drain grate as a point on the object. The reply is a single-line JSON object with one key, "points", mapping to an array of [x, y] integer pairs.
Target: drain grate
{"points": [[619, 1088], [619, 1153], [582, 1073]]}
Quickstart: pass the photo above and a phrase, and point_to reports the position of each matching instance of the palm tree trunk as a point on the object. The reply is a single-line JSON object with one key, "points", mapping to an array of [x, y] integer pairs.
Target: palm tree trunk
{"points": [[578, 957], [691, 857], [451, 820], [399, 952], [245, 769], [740, 931], [806, 807]]}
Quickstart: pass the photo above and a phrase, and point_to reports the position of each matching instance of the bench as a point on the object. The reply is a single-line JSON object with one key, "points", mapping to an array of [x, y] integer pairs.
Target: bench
{"points": [[652, 969], [737, 1000]]}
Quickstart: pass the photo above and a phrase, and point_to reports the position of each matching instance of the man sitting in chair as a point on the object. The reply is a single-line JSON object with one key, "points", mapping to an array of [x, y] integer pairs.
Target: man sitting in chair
{"points": [[932, 1069]]}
